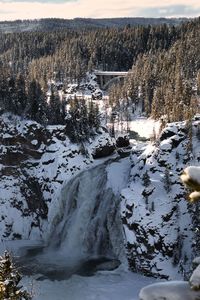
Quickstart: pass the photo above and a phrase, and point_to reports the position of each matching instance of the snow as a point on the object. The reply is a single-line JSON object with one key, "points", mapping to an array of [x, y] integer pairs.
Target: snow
{"points": [[195, 278], [144, 126], [196, 260], [58, 161], [118, 174], [62, 160], [151, 213], [116, 285], [194, 196], [192, 173], [34, 142], [175, 290]]}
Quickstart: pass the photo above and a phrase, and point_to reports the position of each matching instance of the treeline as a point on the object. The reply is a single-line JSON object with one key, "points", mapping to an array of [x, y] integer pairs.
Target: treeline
{"points": [[167, 83], [28, 100], [165, 62], [49, 24], [71, 53]]}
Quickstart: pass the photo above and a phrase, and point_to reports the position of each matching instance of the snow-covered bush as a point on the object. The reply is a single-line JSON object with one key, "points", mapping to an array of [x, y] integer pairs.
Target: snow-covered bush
{"points": [[191, 178]]}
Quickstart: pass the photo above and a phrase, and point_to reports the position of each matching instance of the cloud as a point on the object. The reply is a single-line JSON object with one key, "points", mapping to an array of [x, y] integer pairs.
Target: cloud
{"points": [[6, 12], [169, 11], [32, 9], [41, 1]]}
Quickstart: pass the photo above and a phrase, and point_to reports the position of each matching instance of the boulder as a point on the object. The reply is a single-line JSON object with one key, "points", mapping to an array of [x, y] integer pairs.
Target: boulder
{"points": [[122, 141], [103, 151]]}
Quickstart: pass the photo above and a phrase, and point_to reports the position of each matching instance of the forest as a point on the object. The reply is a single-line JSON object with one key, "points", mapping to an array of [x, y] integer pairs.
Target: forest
{"points": [[163, 60]]}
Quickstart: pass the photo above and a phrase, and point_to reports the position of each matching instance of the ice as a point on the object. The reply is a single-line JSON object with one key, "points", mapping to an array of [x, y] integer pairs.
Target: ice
{"points": [[103, 286]]}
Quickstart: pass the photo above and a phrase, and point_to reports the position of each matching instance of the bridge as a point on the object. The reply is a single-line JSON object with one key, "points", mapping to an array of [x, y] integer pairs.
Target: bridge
{"points": [[106, 78]]}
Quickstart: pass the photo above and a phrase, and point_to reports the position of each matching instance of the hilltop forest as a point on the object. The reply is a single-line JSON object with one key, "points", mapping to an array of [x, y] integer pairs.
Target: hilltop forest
{"points": [[163, 60]]}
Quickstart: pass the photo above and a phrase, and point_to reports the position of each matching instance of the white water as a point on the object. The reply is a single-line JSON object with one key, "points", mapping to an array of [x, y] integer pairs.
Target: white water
{"points": [[88, 223]]}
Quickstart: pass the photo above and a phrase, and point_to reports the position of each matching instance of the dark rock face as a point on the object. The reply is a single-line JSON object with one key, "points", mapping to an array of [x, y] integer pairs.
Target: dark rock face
{"points": [[103, 151], [122, 141], [166, 134], [33, 192]]}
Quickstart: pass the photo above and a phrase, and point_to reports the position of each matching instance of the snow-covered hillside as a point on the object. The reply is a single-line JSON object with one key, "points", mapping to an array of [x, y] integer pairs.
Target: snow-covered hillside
{"points": [[35, 163], [159, 225], [158, 221]]}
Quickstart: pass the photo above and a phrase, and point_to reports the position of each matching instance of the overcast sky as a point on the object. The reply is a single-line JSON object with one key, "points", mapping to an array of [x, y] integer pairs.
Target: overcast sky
{"points": [[32, 9]]}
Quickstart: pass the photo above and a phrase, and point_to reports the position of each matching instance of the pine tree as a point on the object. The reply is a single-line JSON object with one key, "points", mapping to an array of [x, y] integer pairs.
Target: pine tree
{"points": [[153, 206], [11, 95], [167, 181], [198, 132], [9, 280], [84, 125], [91, 114], [97, 120], [55, 108], [33, 100], [189, 134], [21, 94], [198, 83], [146, 179]]}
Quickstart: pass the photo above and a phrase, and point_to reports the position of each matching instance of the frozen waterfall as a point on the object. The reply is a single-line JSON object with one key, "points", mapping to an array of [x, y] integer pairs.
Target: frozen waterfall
{"points": [[88, 223], [86, 230]]}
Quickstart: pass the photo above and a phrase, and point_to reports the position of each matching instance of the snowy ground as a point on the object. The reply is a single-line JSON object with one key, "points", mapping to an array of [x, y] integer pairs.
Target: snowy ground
{"points": [[105, 285], [116, 285], [144, 127], [118, 175]]}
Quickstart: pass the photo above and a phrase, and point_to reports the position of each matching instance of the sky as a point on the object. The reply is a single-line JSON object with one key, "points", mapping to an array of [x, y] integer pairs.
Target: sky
{"points": [[68, 9]]}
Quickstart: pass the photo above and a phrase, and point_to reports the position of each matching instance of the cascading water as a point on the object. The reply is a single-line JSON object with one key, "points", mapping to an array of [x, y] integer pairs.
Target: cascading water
{"points": [[87, 225]]}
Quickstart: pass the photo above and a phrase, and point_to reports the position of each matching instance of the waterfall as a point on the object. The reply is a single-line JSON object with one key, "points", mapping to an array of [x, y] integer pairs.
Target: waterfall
{"points": [[86, 231], [88, 223]]}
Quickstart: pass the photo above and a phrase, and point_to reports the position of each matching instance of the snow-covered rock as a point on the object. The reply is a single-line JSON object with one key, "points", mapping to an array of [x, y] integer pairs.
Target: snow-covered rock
{"points": [[195, 279], [191, 178], [35, 163], [159, 224], [175, 290]]}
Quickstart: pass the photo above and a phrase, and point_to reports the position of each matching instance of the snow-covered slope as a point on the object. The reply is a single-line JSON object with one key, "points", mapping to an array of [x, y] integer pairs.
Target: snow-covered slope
{"points": [[158, 221], [35, 163], [159, 225]]}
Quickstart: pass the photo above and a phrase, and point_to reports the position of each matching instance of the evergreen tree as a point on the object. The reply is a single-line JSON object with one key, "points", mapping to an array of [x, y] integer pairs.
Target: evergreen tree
{"points": [[11, 100], [9, 280], [34, 99], [55, 108], [198, 83], [21, 96], [91, 114], [146, 179], [167, 180]]}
